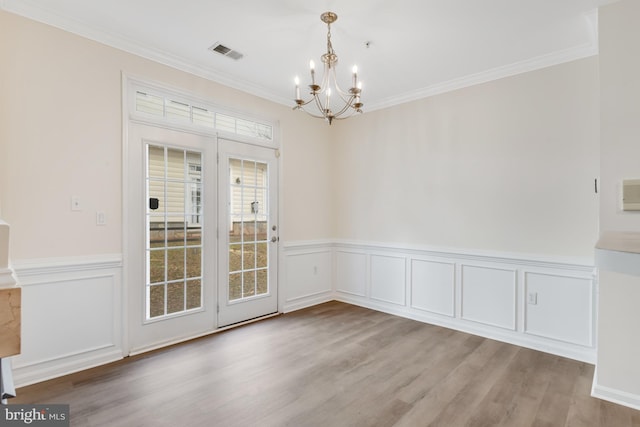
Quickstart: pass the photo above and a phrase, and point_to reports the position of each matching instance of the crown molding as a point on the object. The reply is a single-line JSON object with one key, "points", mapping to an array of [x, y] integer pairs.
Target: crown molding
{"points": [[29, 10], [543, 61], [49, 17]]}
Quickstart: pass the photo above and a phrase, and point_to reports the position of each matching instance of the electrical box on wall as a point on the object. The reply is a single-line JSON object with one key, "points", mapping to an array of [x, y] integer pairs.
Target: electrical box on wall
{"points": [[631, 195]]}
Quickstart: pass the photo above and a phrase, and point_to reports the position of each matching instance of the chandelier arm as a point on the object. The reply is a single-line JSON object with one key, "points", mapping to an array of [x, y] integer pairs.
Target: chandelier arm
{"points": [[348, 101], [342, 118], [337, 86], [300, 103], [320, 106], [346, 97], [312, 114], [345, 108]]}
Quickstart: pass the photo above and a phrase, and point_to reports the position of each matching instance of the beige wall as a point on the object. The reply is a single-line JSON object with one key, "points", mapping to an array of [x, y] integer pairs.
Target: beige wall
{"points": [[618, 370], [503, 166], [620, 110], [61, 136]]}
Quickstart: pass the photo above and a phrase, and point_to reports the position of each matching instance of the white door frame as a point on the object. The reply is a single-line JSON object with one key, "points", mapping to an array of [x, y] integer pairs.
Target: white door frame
{"points": [[130, 85]]}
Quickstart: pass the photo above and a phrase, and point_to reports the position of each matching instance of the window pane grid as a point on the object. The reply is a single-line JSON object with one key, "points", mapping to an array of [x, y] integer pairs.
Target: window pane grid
{"points": [[174, 243], [248, 212]]}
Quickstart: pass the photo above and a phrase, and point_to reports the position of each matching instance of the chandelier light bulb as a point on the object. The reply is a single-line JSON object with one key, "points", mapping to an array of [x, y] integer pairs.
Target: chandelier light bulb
{"points": [[355, 76]]}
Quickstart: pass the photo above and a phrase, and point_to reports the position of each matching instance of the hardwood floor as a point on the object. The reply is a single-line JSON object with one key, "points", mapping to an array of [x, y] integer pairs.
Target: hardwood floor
{"points": [[335, 365]]}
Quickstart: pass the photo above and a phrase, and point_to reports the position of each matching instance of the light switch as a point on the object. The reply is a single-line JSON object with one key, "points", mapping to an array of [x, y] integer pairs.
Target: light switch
{"points": [[101, 218], [76, 205]]}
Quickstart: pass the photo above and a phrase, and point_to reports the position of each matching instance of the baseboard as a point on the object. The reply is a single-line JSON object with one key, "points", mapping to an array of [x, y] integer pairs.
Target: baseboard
{"points": [[71, 316], [307, 301], [612, 395], [484, 293], [38, 372], [411, 282], [579, 353]]}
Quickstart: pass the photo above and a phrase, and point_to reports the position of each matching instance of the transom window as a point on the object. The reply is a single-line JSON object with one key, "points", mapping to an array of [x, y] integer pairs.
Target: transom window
{"points": [[200, 115]]}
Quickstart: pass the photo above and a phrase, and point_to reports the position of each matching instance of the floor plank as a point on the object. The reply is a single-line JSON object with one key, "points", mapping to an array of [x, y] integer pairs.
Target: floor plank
{"points": [[335, 365]]}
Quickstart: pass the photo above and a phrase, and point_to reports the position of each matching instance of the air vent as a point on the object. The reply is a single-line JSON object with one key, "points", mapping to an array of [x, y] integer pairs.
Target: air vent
{"points": [[223, 50]]}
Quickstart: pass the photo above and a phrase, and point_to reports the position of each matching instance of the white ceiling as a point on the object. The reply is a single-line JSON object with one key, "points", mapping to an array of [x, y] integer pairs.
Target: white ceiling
{"points": [[417, 47]]}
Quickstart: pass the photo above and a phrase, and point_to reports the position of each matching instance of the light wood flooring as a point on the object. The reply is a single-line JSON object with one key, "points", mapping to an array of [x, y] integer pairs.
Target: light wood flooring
{"points": [[335, 365]]}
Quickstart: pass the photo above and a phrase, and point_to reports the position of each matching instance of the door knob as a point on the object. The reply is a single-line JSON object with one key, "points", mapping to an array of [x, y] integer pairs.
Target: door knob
{"points": [[274, 239]]}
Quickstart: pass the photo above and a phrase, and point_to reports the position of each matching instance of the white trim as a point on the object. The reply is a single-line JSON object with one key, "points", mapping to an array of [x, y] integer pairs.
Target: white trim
{"points": [[59, 275], [612, 395], [499, 334], [513, 326], [304, 301], [35, 373], [620, 262], [520, 67], [47, 266], [50, 17], [131, 83], [56, 271], [532, 260], [515, 263], [7, 278]]}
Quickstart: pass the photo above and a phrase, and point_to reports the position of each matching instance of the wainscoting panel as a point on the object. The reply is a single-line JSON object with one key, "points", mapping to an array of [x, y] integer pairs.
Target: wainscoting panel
{"points": [[351, 273], [71, 316], [553, 297], [388, 279], [479, 293], [73, 309], [489, 296], [308, 277], [433, 286]]}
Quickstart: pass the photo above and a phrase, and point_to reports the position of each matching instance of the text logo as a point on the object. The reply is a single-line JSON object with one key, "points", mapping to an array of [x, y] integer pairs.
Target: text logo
{"points": [[34, 415]]}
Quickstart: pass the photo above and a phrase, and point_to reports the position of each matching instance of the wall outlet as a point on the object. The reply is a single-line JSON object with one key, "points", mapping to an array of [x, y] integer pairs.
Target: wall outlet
{"points": [[532, 298]]}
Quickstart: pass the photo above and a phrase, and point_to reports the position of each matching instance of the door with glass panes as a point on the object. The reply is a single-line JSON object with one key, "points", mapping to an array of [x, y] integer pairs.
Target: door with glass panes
{"points": [[171, 250], [248, 232]]}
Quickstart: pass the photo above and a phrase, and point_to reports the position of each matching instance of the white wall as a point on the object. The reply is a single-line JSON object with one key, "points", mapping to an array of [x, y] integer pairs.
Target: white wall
{"points": [[618, 367], [620, 110], [504, 166]]}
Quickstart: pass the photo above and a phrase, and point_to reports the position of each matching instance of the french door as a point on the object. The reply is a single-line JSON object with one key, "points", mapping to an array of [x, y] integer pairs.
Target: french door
{"points": [[248, 232], [201, 215], [171, 250]]}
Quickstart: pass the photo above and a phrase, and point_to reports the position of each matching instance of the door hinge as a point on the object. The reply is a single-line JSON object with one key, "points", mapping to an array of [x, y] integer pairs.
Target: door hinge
{"points": [[217, 308]]}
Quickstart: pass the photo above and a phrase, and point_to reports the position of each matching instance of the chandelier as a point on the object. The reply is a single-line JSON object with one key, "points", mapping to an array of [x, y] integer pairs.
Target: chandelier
{"points": [[337, 103]]}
